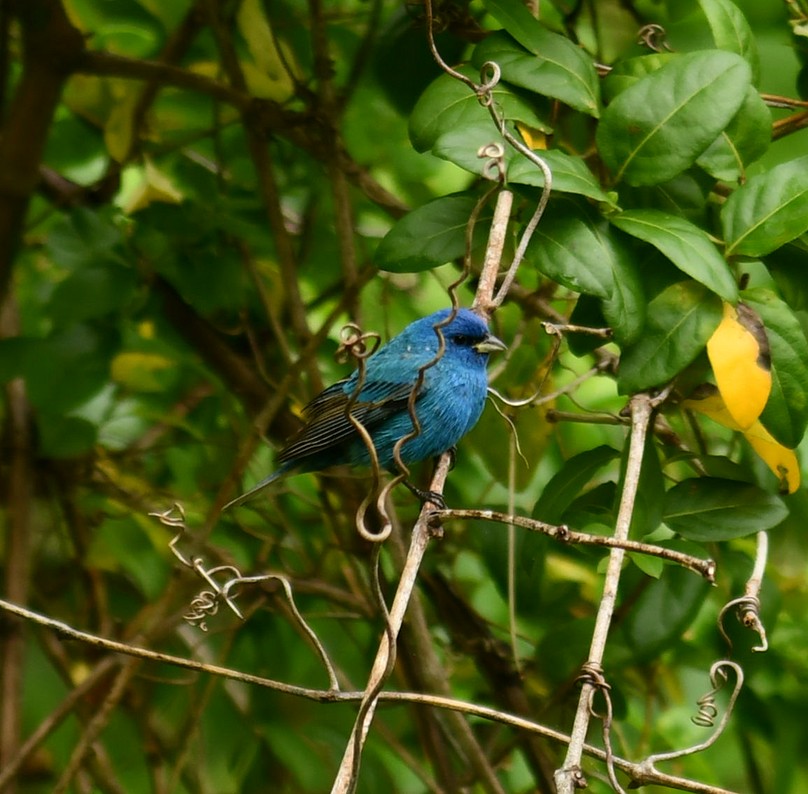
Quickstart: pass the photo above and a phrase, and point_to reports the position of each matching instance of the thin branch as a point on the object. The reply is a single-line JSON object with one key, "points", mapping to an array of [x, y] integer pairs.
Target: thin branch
{"points": [[346, 776], [50, 723], [431, 675], [493, 254], [329, 108], [638, 773], [267, 184], [96, 725], [265, 115], [564, 534], [164, 658], [484, 304], [106, 64], [18, 445], [570, 775], [320, 695], [51, 46]]}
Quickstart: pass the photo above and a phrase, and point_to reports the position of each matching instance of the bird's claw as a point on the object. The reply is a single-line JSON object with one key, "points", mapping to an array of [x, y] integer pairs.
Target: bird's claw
{"points": [[434, 498], [427, 497]]}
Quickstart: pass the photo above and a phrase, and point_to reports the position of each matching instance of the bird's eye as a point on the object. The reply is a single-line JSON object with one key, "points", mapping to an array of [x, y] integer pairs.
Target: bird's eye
{"points": [[461, 339]]}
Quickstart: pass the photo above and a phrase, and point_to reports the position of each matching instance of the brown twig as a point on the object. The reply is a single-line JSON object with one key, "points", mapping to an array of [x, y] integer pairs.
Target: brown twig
{"points": [[329, 108], [98, 722], [430, 675], [564, 534], [17, 442], [267, 184], [48, 725], [51, 47]]}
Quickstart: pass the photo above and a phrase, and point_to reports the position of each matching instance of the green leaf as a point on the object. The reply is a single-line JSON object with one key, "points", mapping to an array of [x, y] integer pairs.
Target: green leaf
{"points": [[626, 73], [551, 66], [768, 211], [91, 292], [625, 310], [680, 320], [587, 313], [574, 246], [120, 544], [84, 238], [431, 235], [685, 244], [13, 351], [708, 509], [68, 367], [570, 174], [786, 412], [460, 145], [517, 20], [684, 195], [732, 32], [663, 612], [569, 481], [570, 248], [788, 268], [746, 138], [657, 128], [448, 107], [65, 436]]}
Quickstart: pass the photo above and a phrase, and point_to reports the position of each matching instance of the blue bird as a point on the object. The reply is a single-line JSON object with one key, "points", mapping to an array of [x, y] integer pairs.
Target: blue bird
{"points": [[448, 404]]}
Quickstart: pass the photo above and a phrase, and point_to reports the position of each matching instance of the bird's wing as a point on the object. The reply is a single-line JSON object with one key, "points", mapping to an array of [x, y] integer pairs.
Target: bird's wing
{"points": [[327, 424]]}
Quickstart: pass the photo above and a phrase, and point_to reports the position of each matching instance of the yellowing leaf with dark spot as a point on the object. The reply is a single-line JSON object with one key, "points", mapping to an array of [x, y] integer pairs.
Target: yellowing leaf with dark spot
{"points": [[739, 355], [781, 460]]}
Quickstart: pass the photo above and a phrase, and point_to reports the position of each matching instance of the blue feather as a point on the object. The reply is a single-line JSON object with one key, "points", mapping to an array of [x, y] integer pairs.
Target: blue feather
{"points": [[448, 403]]}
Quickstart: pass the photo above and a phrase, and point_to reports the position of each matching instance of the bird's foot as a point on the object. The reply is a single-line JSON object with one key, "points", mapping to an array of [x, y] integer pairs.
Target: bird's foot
{"points": [[432, 497], [452, 452]]}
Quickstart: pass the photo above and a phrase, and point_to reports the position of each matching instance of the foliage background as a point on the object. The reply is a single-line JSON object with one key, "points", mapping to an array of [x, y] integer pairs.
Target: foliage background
{"points": [[192, 199]]}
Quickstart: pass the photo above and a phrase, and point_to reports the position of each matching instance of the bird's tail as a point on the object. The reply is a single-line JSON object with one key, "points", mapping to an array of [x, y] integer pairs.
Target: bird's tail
{"points": [[256, 489]]}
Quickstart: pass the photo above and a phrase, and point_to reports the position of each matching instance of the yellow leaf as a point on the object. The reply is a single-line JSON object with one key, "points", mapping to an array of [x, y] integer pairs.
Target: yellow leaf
{"points": [[140, 371], [781, 460], [533, 138], [739, 355], [706, 400], [276, 84], [156, 186], [118, 125]]}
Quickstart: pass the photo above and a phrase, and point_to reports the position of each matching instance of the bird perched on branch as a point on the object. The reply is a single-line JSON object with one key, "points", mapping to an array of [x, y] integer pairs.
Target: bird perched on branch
{"points": [[448, 401]]}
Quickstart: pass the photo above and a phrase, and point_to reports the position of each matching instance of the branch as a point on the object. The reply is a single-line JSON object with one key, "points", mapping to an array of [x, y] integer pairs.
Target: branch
{"points": [[638, 772], [18, 448], [428, 674], [48, 725], [564, 534], [270, 117], [385, 656], [570, 776], [51, 46]]}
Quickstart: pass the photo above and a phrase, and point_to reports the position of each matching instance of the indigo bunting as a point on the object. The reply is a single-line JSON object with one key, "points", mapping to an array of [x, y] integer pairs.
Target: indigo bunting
{"points": [[448, 404]]}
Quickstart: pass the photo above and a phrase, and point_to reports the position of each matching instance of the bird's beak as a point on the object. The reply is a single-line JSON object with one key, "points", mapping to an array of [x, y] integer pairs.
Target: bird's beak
{"points": [[491, 344]]}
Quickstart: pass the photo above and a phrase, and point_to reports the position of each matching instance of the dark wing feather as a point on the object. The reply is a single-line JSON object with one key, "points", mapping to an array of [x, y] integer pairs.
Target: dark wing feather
{"points": [[327, 425]]}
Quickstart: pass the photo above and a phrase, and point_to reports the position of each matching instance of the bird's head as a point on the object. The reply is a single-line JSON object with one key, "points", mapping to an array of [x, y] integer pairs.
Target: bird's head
{"points": [[467, 332]]}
